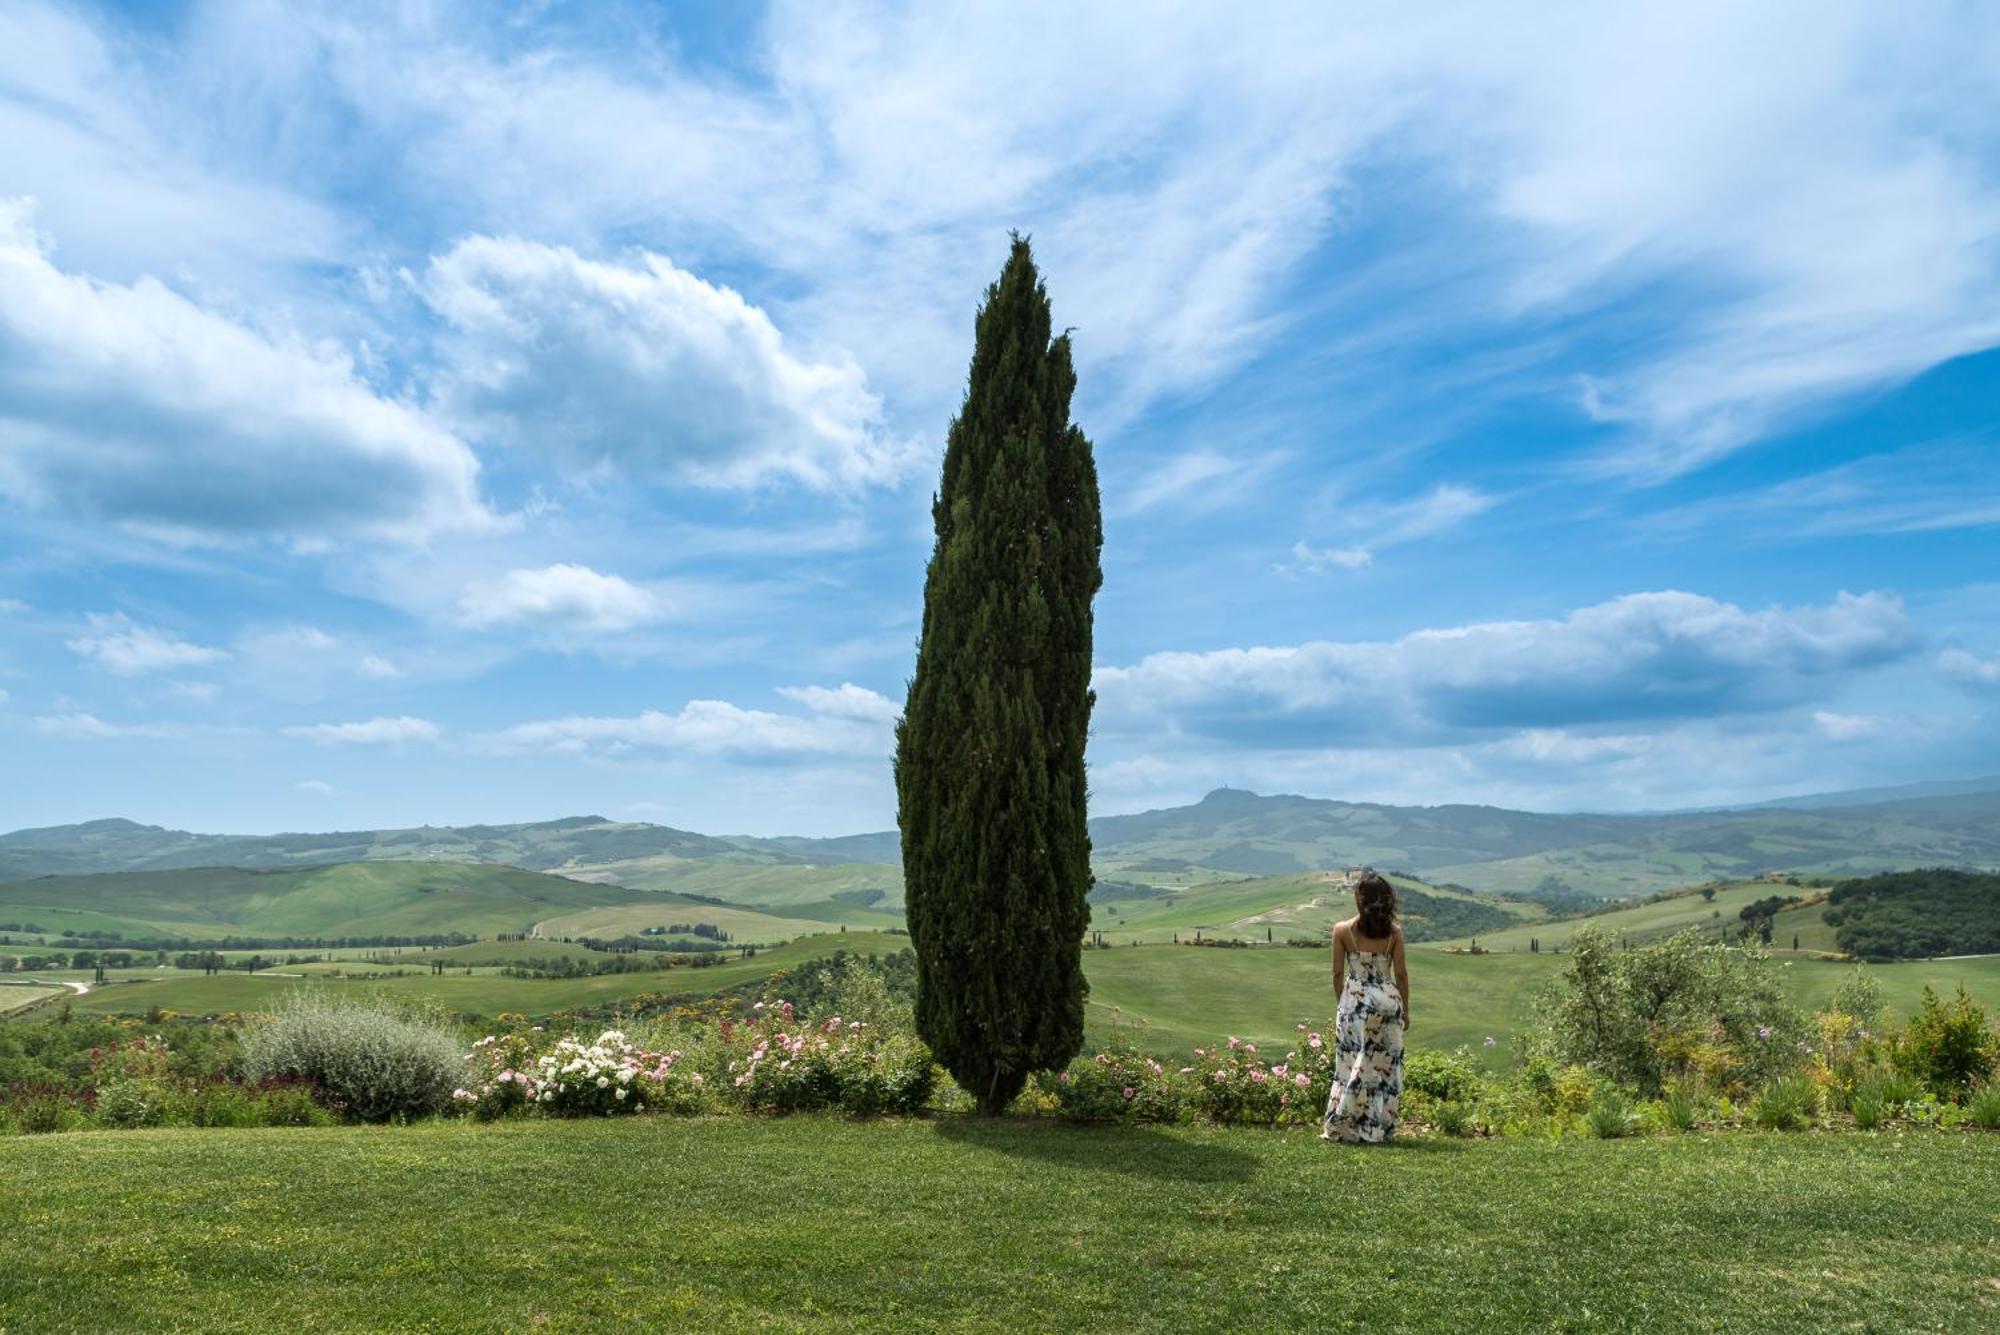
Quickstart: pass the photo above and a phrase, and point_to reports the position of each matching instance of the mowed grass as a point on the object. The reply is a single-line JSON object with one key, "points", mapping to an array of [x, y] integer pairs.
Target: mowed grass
{"points": [[821, 1224], [1187, 996], [484, 992], [19, 996], [1190, 996]]}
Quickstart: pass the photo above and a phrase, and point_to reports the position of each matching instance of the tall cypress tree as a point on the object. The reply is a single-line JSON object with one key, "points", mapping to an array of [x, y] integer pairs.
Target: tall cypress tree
{"points": [[989, 752]]}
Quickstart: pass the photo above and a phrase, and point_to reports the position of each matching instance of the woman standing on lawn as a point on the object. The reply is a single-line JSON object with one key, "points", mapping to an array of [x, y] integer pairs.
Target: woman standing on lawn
{"points": [[1374, 1013]]}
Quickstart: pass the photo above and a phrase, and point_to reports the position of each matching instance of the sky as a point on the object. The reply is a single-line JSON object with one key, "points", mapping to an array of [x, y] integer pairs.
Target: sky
{"points": [[447, 413]]}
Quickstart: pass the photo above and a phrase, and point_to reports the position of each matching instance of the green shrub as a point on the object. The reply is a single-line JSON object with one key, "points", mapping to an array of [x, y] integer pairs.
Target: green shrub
{"points": [[1868, 1105], [289, 1103], [1444, 1077], [1609, 1117], [368, 1064], [41, 1109], [225, 1103], [1899, 1089], [1647, 1015], [1680, 1109], [1453, 1118], [1785, 1104], [127, 1102], [1947, 1045], [1983, 1108]]}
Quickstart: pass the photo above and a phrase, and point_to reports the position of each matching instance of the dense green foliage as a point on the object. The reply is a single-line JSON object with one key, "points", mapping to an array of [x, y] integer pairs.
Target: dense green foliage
{"points": [[1948, 1045], [822, 1223], [1915, 914], [989, 752], [1647, 1015], [367, 1063]]}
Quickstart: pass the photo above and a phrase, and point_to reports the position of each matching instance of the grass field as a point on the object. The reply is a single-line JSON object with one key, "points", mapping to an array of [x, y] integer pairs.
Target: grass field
{"points": [[346, 899], [780, 888], [821, 1224], [1189, 995], [745, 926], [1644, 922], [18, 996], [1278, 906], [481, 993]]}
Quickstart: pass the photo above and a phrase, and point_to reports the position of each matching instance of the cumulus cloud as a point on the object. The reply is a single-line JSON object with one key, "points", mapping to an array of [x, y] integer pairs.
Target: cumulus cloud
{"points": [[845, 701], [385, 731], [645, 369], [1642, 656], [1968, 669], [377, 668], [841, 721], [118, 644], [560, 597], [129, 402]]}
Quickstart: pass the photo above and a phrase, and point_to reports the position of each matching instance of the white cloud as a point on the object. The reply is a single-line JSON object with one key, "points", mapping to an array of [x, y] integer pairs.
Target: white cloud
{"points": [[561, 597], [1199, 480], [314, 787], [89, 727], [118, 644], [1320, 560], [132, 403], [1641, 656], [1969, 669], [369, 732], [845, 701], [1846, 727], [645, 369], [848, 720], [1445, 507], [375, 667]]}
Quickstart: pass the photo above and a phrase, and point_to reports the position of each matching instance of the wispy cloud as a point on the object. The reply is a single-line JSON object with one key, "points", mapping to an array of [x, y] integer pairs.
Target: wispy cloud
{"points": [[118, 644], [398, 731]]}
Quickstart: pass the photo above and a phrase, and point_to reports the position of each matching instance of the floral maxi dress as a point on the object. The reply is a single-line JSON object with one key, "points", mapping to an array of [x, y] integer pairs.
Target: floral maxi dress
{"points": [[1368, 1052]]}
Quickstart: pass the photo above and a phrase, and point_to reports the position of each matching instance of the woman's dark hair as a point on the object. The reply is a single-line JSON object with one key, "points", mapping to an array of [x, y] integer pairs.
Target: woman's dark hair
{"points": [[1375, 902]]}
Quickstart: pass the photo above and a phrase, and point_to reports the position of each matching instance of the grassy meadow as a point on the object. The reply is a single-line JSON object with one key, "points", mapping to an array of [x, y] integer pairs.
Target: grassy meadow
{"points": [[813, 1223]]}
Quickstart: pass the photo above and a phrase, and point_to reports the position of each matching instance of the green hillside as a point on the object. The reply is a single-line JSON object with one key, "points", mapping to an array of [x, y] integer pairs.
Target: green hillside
{"points": [[481, 992], [344, 900], [1282, 907]]}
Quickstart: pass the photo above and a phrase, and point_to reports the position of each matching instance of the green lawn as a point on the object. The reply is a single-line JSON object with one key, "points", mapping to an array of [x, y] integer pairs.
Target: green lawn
{"points": [[17, 996], [824, 1224], [1189, 995]]}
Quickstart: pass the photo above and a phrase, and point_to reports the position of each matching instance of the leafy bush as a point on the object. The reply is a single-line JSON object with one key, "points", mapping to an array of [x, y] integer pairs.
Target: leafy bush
{"points": [[39, 1108], [1609, 1117], [126, 1102], [1680, 1109], [1668, 1009], [1440, 1076], [788, 1066], [370, 1065], [1785, 1104], [1947, 1045], [1869, 1106], [1453, 1118], [596, 1079], [1983, 1108]]}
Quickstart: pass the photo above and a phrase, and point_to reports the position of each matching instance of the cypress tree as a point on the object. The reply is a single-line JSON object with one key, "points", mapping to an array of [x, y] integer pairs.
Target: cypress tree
{"points": [[989, 752]]}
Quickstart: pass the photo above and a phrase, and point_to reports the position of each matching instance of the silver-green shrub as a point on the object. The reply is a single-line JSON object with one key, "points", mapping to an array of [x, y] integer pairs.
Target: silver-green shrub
{"points": [[368, 1064]]}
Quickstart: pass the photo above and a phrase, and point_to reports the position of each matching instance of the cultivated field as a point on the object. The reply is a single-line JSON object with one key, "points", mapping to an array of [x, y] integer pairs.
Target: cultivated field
{"points": [[819, 1223]]}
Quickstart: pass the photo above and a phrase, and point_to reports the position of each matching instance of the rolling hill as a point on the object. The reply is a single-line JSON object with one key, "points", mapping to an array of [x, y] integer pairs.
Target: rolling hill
{"points": [[354, 899], [1228, 835]]}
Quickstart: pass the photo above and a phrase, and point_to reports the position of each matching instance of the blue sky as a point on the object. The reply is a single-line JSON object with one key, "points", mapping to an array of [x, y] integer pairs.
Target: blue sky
{"points": [[447, 413]]}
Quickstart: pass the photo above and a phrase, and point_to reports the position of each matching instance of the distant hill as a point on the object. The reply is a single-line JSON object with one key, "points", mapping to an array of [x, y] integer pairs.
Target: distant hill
{"points": [[353, 899], [1552, 857], [574, 841], [1917, 914]]}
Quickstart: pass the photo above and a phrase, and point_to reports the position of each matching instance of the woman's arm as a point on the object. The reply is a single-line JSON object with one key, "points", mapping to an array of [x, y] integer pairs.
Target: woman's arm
{"points": [[1339, 959], [1402, 976]]}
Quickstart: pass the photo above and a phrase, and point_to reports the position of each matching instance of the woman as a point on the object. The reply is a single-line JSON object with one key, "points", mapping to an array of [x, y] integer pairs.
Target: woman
{"points": [[1374, 1013]]}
